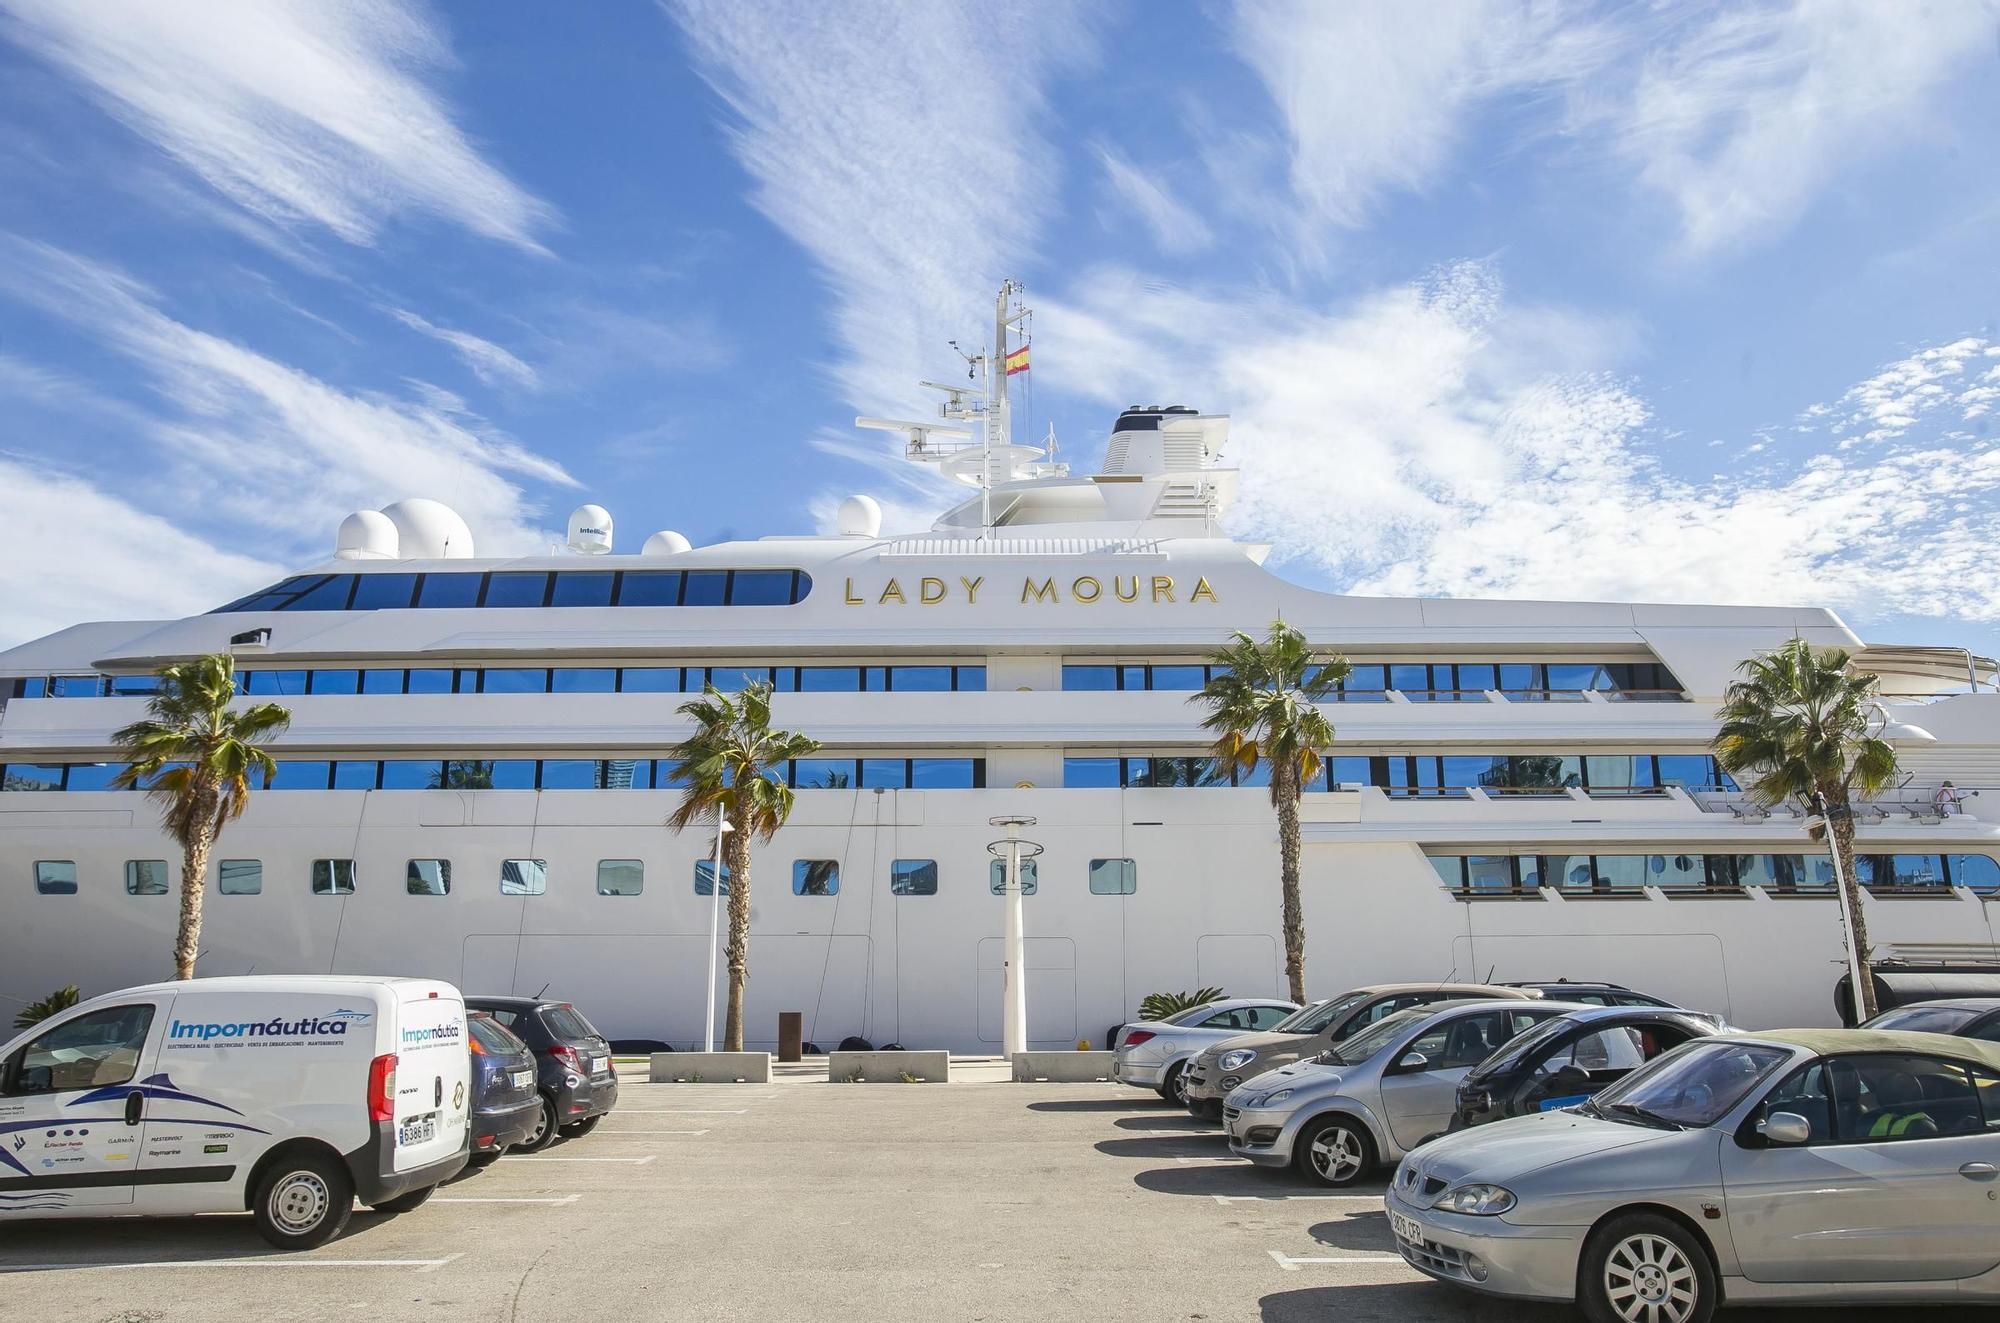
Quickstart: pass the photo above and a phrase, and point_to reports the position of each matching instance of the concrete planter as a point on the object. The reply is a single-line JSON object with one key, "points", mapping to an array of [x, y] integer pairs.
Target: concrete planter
{"points": [[889, 1067], [711, 1067], [1061, 1067]]}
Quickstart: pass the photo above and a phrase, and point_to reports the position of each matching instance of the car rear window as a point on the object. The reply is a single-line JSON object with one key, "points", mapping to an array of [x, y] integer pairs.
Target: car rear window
{"points": [[1925, 1019], [489, 1035], [567, 1022]]}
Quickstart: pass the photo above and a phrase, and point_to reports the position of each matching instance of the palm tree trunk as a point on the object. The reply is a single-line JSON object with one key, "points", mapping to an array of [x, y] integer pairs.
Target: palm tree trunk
{"points": [[194, 882], [1285, 787], [736, 850], [1840, 832]]}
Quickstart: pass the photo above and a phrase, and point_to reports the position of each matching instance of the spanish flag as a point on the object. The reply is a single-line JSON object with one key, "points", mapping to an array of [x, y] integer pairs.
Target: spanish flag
{"points": [[1017, 361]]}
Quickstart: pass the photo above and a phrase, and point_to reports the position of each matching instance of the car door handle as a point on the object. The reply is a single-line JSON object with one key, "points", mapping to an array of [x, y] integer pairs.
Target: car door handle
{"points": [[1979, 1171], [135, 1107]]}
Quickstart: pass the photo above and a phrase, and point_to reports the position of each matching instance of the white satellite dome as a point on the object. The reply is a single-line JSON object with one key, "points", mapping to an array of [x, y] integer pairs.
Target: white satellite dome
{"points": [[666, 542], [429, 530], [590, 530], [366, 535], [859, 516]]}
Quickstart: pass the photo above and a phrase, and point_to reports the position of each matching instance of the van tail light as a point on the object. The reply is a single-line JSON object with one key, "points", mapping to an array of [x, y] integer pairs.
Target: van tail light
{"points": [[566, 1054], [382, 1088], [1138, 1036]]}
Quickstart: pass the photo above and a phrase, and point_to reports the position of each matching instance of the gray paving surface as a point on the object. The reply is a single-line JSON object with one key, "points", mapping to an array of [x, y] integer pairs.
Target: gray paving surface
{"points": [[959, 1202]]}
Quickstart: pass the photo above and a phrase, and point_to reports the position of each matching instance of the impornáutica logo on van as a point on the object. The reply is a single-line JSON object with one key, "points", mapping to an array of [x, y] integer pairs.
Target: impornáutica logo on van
{"points": [[335, 1025], [430, 1035]]}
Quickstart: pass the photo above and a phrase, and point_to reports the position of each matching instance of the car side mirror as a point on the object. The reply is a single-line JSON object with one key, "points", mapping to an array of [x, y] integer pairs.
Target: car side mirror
{"points": [[1413, 1061], [1785, 1128]]}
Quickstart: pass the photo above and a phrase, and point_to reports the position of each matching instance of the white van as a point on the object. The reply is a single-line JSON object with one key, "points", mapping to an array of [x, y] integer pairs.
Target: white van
{"points": [[286, 1096]]}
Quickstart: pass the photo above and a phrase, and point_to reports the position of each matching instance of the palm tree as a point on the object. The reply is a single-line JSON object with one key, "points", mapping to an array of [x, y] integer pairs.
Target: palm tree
{"points": [[196, 756], [1801, 725], [1261, 698], [734, 761]]}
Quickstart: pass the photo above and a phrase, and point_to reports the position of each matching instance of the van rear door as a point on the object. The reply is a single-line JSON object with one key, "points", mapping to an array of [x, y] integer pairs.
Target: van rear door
{"points": [[433, 1076]]}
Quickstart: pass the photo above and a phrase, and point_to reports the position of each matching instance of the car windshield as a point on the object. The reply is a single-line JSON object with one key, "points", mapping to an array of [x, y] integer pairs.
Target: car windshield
{"points": [[1311, 1019], [1695, 1085], [1517, 1050], [567, 1022], [1925, 1019], [486, 1031], [1353, 1051]]}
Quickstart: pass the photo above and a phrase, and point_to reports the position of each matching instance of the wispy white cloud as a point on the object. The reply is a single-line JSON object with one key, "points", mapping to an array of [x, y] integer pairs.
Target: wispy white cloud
{"points": [[274, 447], [488, 361], [1962, 378], [304, 114], [1136, 195]]}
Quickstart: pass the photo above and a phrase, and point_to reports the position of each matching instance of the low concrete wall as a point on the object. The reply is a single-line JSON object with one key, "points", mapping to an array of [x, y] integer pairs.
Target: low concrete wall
{"points": [[1061, 1067], [711, 1067], [888, 1067]]}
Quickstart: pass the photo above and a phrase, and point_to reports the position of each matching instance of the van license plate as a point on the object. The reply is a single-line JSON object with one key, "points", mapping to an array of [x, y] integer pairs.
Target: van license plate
{"points": [[1406, 1228], [418, 1129], [521, 1079]]}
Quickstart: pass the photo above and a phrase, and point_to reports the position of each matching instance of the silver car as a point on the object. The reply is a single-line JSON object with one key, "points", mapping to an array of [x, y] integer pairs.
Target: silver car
{"points": [[1377, 1095], [1153, 1054], [1789, 1167]]}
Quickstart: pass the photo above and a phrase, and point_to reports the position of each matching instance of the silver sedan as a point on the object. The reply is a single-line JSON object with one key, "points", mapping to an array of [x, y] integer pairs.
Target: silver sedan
{"points": [[1154, 1054], [1773, 1168], [1377, 1095]]}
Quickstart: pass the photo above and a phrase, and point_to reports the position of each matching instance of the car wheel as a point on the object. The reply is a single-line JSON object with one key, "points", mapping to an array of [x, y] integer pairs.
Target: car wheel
{"points": [[1643, 1268], [1174, 1087], [546, 1131], [1334, 1150], [579, 1129], [403, 1203], [303, 1202]]}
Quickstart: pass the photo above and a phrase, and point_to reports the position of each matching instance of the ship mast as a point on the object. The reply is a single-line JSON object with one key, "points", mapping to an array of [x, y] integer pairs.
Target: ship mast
{"points": [[999, 414]]}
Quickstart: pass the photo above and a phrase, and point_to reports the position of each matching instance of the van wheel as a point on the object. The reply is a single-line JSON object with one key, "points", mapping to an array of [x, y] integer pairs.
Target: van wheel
{"points": [[1333, 1150], [579, 1129], [1643, 1268], [303, 1201], [546, 1129], [403, 1203]]}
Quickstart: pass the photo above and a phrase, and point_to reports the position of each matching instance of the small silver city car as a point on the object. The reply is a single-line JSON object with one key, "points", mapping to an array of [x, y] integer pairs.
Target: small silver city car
{"points": [[1787, 1167], [1377, 1095], [1153, 1054]]}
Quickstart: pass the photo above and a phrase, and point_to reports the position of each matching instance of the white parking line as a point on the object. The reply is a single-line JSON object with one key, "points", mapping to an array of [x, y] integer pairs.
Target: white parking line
{"points": [[636, 1162], [683, 1111], [461, 1199], [288, 1261], [1216, 1158], [615, 1134], [1286, 1198], [1291, 1264]]}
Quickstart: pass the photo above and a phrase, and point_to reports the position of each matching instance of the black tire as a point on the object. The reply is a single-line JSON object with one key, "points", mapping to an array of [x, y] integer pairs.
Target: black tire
{"points": [[403, 1203], [303, 1201], [578, 1129], [1334, 1151], [1641, 1260], [1174, 1087], [548, 1128]]}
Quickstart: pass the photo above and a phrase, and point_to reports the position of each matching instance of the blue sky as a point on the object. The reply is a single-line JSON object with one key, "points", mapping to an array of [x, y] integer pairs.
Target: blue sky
{"points": [[1533, 300]]}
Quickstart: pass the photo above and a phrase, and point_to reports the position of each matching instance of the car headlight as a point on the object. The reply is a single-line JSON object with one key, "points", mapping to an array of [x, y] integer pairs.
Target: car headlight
{"points": [[1481, 1200], [1236, 1060], [1275, 1098]]}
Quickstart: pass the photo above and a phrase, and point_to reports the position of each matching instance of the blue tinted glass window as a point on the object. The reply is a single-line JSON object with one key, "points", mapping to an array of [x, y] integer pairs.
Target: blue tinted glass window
{"points": [[449, 590], [430, 680], [382, 592], [240, 877], [1450, 869], [1140, 771], [1179, 677], [761, 588], [650, 679], [874, 679], [1977, 871], [427, 877], [996, 877], [1260, 775], [628, 774], [352, 775], [91, 776], [650, 588], [271, 684], [972, 678], [1564, 675], [467, 774], [1676, 870], [815, 877], [514, 774], [329, 594], [1480, 677], [667, 775], [884, 773], [1113, 877], [524, 877], [32, 776], [77, 686], [621, 877], [830, 679], [583, 680], [705, 588], [704, 877], [382, 682], [570, 774], [31, 686], [336, 682], [1691, 771], [1349, 770], [516, 589], [55, 877], [311, 775], [412, 774], [1915, 870], [1090, 678], [1476, 771], [920, 679], [943, 773], [1617, 771], [735, 679], [1090, 773], [583, 588], [333, 877], [146, 877], [913, 877], [514, 680], [1489, 872], [1520, 677], [1410, 679], [823, 773], [1132, 677], [129, 686]]}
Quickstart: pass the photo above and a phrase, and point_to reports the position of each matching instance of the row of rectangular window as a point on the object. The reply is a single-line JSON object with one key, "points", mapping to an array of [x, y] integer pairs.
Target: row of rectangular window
{"points": [[534, 774], [1419, 682], [530, 877], [1406, 776], [1525, 874], [446, 589], [537, 680]]}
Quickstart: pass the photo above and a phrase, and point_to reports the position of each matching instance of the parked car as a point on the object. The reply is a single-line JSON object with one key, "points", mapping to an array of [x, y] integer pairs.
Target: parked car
{"points": [[1799, 1166], [505, 1103], [1563, 1061], [1377, 1095], [1153, 1054], [1220, 1067], [574, 1076], [179, 1098], [1591, 993], [1974, 1017]]}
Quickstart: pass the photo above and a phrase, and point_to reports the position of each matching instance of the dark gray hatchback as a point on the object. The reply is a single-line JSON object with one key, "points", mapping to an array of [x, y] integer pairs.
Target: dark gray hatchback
{"points": [[574, 1076], [506, 1106]]}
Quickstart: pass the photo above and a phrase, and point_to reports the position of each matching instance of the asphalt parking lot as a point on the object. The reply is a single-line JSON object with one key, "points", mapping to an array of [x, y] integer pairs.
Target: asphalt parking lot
{"points": [[798, 1201]]}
